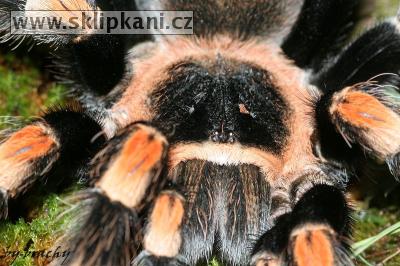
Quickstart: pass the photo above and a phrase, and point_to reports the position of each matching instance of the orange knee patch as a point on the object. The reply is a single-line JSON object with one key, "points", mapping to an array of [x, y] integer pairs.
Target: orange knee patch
{"points": [[20, 150], [379, 125], [28, 143], [313, 247], [363, 110], [135, 167], [163, 236]]}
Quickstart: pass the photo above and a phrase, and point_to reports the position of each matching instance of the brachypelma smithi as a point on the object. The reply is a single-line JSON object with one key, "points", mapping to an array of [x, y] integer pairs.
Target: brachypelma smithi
{"points": [[236, 142]]}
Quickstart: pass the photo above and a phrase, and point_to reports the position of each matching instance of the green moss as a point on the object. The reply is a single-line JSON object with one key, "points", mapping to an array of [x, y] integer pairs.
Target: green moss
{"points": [[24, 94], [23, 261], [214, 262], [371, 222], [55, 95], [20, 88], [38, 234], [386, 8]]}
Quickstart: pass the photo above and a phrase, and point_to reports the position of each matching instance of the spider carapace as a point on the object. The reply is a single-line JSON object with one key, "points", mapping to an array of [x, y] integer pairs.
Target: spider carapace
{"points": [[237, 142]]}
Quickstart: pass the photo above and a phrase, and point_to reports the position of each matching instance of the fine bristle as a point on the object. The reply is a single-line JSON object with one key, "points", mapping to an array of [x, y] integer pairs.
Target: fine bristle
{"points": [[394, 166], [101, 232]]}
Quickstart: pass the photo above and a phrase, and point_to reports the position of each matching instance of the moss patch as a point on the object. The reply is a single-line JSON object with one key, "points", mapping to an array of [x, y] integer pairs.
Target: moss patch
{"points": [[371, 222], [19, 240], [23, 90]]}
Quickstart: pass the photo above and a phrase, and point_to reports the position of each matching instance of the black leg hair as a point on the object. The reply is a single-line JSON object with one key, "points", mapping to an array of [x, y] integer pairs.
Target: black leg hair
{"points": [[324, 207], [269, 248], [98, 61], [101, 232], [321, 213], [321, 30], [55, 147], [127, 184], [359, 112], [94, 64], [371, 56]]}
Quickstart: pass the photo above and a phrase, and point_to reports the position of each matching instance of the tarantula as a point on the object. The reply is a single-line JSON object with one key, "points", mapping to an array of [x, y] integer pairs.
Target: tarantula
{"points": [[238, 141]]}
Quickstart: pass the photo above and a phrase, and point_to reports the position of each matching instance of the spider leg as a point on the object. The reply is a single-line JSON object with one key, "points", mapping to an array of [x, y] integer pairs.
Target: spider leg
{"points": [[94, 63], [359, 112], [128, 187], [162, 238], [313, 233], [374, 54], [52, 146], [364, 119], [321, 30]]}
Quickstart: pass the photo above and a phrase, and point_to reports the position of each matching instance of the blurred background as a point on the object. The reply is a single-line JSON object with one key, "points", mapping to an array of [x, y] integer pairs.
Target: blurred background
{"points": [[27, 87]]}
